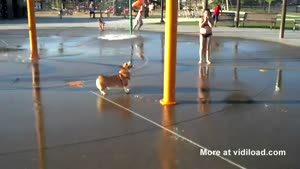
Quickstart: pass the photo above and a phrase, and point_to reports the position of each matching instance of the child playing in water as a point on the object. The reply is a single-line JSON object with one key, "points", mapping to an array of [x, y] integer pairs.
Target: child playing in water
{"points": [[137, 4], [101, 25], [138, 21]]}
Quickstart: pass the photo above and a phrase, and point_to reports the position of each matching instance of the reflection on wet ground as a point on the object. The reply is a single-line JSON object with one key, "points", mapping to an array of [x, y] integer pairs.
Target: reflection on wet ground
{"points": [[247, 98]]}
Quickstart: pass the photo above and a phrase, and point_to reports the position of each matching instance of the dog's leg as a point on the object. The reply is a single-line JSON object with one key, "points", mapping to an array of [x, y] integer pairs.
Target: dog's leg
{"points": [[126, 90], [101, 88], [102, 92]]}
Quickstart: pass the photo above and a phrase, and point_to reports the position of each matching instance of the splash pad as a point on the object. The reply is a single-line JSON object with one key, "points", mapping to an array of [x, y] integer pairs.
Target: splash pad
{"points": [[115, 37]]}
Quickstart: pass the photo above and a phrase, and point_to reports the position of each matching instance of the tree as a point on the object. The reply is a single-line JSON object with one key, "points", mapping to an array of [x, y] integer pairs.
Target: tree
{"points": [[269, 2]]}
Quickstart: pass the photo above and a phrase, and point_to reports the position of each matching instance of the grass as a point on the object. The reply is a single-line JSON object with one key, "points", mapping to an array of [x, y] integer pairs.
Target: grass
{"points": [[294, 13], [288, 24]]}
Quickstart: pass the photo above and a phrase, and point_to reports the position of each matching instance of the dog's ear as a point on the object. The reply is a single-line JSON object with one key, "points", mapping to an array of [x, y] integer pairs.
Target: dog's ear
{"points": [[126, 65], [123, 66], [129, 64]]}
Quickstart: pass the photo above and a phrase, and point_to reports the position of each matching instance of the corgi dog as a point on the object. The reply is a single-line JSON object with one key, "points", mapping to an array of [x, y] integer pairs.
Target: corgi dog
{"points": [[118, 80]]}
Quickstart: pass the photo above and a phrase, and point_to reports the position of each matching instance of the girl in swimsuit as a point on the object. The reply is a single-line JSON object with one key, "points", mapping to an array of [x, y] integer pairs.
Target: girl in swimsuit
{"points": [[205, 25], [101, 25]]}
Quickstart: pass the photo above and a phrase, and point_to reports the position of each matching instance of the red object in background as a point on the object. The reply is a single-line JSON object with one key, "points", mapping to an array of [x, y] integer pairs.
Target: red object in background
{"points": [[109, 10], [215, 44], [126, 11], [137, 3], [217, 9]]}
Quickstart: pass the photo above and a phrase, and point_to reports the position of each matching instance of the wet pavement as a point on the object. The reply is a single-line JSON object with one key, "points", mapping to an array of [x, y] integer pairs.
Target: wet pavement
{"points": [[247, 99]]}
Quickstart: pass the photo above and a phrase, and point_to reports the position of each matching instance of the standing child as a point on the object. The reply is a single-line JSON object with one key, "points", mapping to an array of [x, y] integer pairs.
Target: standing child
{"points": [[138, 21], [205, 25]]}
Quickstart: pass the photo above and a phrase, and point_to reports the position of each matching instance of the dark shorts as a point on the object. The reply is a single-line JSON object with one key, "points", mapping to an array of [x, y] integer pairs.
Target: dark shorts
{"points": [[206, 35], [216, 17]]}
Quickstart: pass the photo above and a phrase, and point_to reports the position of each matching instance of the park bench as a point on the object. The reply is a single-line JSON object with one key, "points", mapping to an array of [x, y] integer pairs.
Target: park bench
{"points": [[242, 17], [231, 16], [261, 17], [190, 12], [296, 24], [227, 17]]}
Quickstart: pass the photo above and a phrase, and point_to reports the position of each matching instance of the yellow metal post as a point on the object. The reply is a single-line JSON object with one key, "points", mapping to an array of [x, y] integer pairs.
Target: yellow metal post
{"points": [[32, 30], [170, 53]]}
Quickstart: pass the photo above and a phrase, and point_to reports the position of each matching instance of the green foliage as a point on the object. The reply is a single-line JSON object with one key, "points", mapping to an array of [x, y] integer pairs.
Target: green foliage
{"points": [[215, 2], [70, 5], [249, 2], [269, 1], [269, 7], [47, 5]]}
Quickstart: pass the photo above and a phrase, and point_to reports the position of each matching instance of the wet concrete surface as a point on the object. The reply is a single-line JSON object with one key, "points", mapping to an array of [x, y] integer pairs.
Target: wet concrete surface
{"points": [[248, 98]]}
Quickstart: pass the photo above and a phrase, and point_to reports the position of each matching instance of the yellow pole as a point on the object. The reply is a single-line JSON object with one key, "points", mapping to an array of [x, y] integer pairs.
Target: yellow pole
{"points": [[32, 30], [170, 53]]}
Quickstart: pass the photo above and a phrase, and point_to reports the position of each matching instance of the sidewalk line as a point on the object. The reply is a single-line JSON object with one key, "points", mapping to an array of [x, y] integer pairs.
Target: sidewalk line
{"points": [[166, 129]]}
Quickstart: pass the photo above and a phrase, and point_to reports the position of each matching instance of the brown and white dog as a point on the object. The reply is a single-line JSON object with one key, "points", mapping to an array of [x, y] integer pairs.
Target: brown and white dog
{"points": [[119, 80]]}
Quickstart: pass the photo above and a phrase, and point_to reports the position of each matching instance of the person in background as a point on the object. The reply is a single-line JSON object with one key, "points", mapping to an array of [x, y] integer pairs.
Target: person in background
{"points": [[151, 8], [216, 14], [92, 9]]}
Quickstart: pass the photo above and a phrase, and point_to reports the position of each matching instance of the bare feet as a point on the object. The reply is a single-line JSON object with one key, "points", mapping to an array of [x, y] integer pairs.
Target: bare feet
{"points": [[208, 62]]}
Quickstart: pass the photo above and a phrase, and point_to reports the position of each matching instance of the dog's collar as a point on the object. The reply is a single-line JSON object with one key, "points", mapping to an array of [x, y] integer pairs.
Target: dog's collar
{"points": [[121, 77]]}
